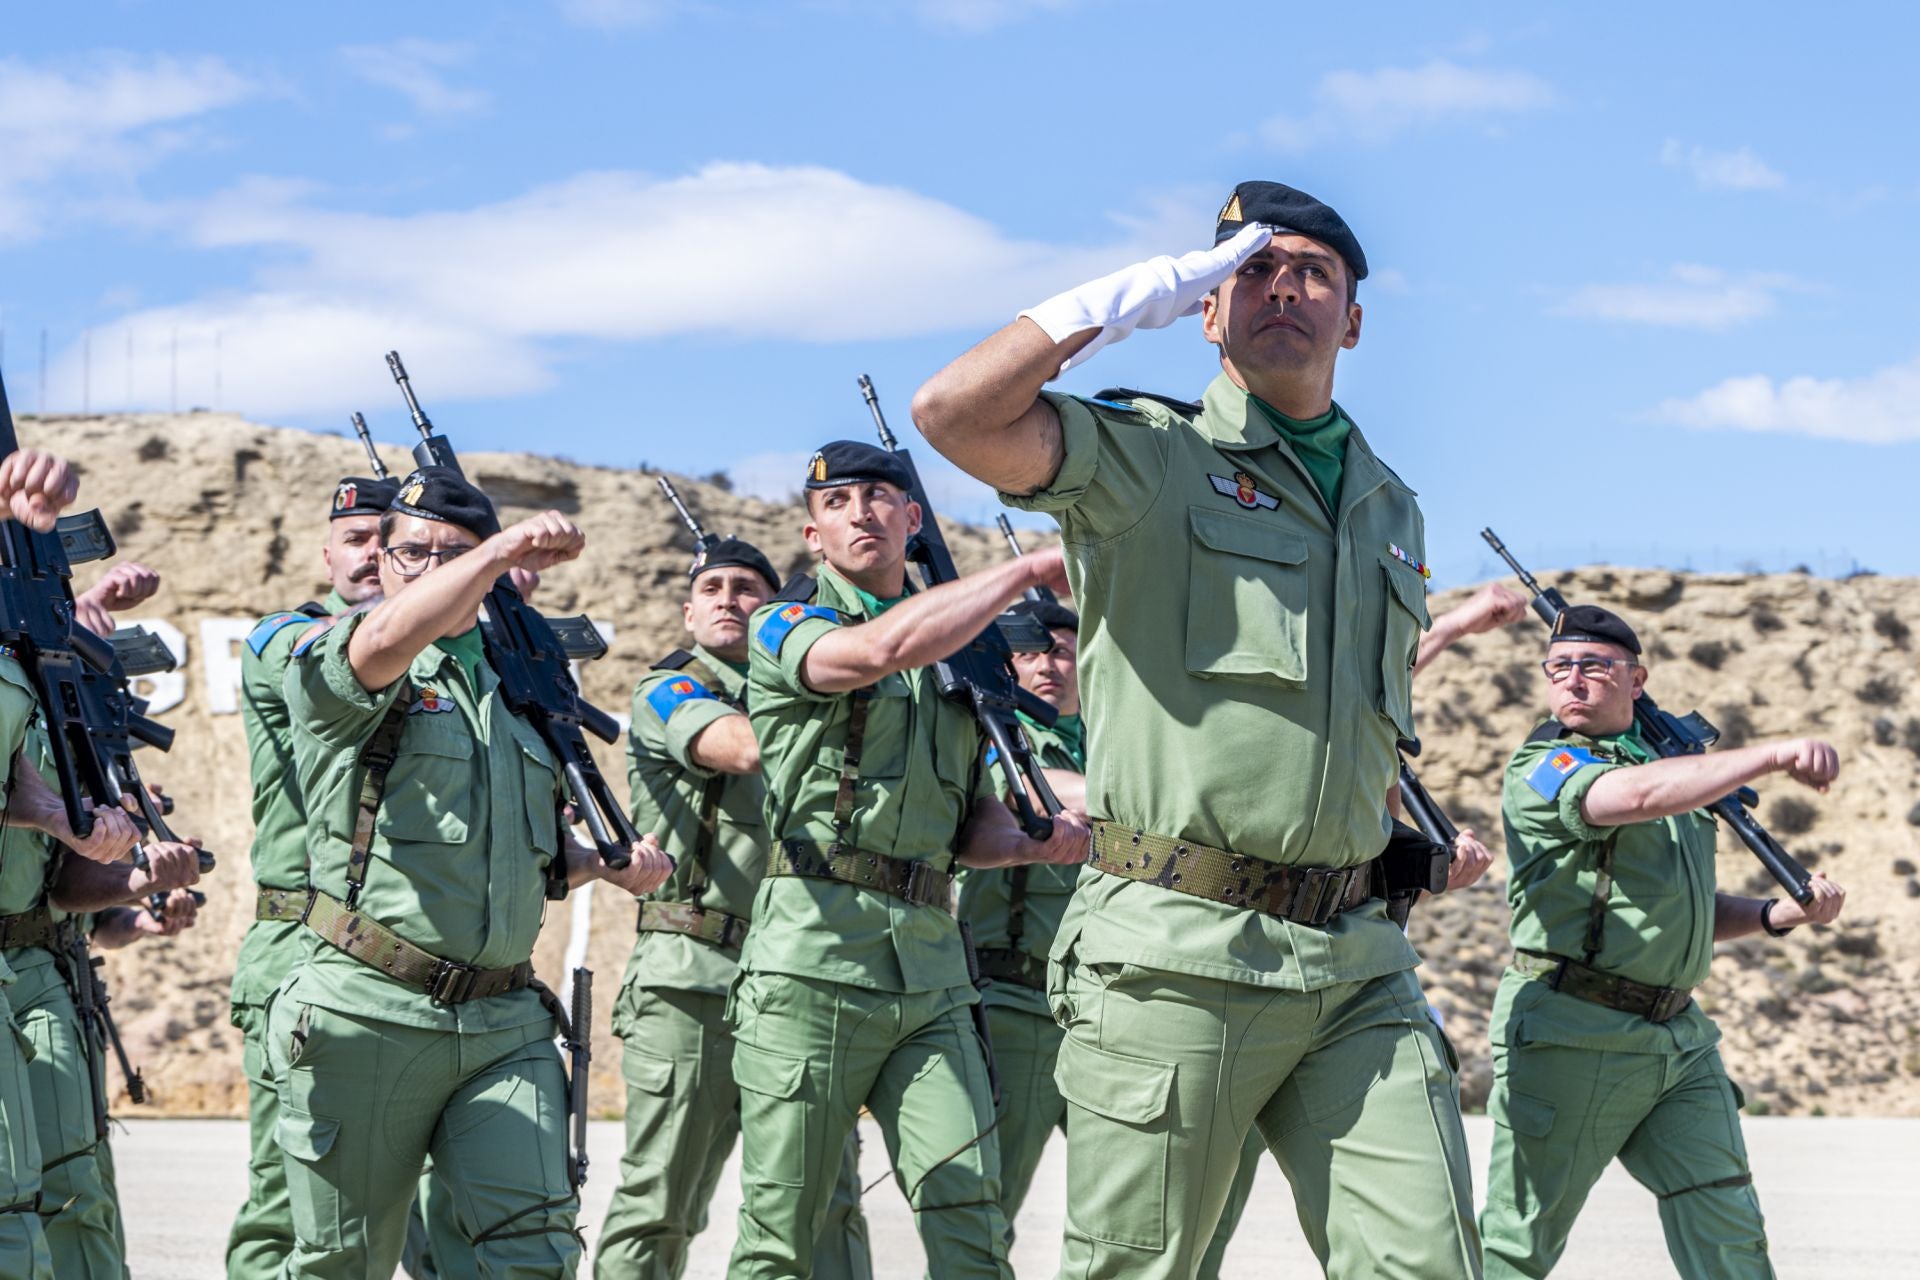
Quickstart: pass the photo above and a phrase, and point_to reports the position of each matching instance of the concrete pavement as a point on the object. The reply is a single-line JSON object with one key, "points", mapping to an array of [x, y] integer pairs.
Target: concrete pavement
{"points": [[1839, 1196]]}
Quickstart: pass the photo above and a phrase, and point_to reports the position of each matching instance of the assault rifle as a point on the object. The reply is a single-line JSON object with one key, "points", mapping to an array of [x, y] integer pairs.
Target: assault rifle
{"points": [[1668, 736], [94, 720], [526, 651], [980, 676], [1417, 856], [1025, 635]]}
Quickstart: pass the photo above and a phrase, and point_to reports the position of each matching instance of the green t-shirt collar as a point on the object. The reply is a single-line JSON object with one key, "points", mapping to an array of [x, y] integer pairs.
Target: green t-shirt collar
{"points": [[1319, 443], [468, 650]]}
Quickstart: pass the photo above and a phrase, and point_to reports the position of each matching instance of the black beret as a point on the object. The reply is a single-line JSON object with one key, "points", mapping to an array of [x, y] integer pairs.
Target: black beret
{"points": [[733, 551], [1291, 212], [850, 462], [1050, 614], [1592, 623], [362, 496], [441, 493]]}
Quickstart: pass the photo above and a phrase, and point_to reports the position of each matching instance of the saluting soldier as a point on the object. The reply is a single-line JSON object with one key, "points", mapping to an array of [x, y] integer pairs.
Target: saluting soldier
{"points": [[412, 1025], [1600, 1050], [262, 1234], [1251, 588], [45, 1116], [694, 770], [854, 989]]}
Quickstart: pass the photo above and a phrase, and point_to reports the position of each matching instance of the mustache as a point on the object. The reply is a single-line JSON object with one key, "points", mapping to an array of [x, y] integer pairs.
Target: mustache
{"points": [[363, 572]]}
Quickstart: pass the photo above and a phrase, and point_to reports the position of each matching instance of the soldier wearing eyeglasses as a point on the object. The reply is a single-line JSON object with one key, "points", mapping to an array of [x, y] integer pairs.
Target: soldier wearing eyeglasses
{"points": [[1600, 1051]]}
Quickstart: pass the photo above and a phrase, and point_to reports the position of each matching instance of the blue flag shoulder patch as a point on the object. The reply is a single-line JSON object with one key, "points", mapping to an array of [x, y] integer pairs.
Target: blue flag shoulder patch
{"points": [[305, 642], [671, 692], [1556, 767], [269, 627], [773, 632]]}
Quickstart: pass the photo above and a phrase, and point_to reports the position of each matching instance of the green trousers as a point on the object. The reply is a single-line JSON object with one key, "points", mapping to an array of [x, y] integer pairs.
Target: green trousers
{"points": [[79, 1206], [364, 1103], [808, 1055], [683, 1116], [23, 1242], [1563, 1114], [262, 1232], [1026, 1046], [1353, 1088]]}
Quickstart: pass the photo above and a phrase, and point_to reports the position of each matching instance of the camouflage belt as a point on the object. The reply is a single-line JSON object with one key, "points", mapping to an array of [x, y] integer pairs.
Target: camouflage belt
{"points": [[373, 944], [1596, 986], [1304, 895], [1021, 968], [33, 928], [279, 904], [722, 930], [919, 882]]}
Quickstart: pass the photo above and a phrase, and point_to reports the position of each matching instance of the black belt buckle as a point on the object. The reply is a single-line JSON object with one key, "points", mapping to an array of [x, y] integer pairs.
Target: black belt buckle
{"points": [[731, 933], [451, 982], [1668, 1003], [1318, 898]]}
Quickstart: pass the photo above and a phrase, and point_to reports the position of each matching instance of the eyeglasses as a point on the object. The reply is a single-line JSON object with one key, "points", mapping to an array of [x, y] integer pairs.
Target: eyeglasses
{"points": [[1559, 669], [411, 559]]}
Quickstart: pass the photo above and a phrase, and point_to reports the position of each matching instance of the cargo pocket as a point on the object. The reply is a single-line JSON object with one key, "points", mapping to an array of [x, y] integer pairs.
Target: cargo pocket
{"points": [[312, 1178], [1118, 1144], [1527, 1116], [1406, 617], [646, 1073], [1246, 598], [775, 1148]]}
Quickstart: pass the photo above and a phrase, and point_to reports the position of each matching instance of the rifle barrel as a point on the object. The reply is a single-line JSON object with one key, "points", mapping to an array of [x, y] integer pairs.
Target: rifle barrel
{"points": [[399, 372], [872, 398], [366, 440]]}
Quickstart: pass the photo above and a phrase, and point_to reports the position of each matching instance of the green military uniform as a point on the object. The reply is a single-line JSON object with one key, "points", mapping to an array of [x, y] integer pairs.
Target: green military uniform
{"points": [[23, 1242], [79, 1206], [1255, 634], [850, 995], [683, 1107], [1579, 1081], [373, 1073]]}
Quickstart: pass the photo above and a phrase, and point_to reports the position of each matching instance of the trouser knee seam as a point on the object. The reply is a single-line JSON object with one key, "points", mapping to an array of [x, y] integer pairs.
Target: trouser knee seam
{"points": [[1718, 1184]]}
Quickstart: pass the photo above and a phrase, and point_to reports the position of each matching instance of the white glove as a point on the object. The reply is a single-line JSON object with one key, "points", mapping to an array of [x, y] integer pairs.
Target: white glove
{"points": [[1148, 295]]}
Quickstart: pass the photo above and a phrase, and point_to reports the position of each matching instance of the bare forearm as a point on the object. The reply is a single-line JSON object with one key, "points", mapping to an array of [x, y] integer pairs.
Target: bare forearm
{"points": [[1069, 788], [992, 838], [984, 412], [81, 886], [1735, 917], [115, 928], [34, 804], [399, 629], [1663, 788], [726, 746], [1446, 629], [917, 631]]}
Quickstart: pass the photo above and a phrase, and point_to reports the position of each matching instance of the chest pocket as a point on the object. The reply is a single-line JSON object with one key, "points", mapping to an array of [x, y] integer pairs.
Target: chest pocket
{"points": [[429, 796], [1406, 617], [883, 749], [540, 780], [1247, 597], [1651, 859]]}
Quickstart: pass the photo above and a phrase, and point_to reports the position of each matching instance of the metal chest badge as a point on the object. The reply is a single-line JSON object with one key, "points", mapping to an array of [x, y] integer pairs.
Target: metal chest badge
{"points": [[1400, 554], [1243, 491], [429, 703]]}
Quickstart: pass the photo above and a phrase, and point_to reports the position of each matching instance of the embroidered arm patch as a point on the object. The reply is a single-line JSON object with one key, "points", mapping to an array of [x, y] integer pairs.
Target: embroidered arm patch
{"points": [[670, 693], [773, 632], [1551, 774], [269, 627]]}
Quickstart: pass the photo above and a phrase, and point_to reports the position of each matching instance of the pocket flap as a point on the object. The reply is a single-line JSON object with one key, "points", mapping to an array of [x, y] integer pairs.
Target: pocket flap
{"points": [[1130, 1090], [763, 1071], [1532, 1117], [649, 1075], [1409, 588], [305, 1137], [1246, 536]]}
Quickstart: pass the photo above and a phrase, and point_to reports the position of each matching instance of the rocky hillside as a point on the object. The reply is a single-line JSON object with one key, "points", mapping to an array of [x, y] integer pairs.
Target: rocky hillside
{"points": [[233, 514]]}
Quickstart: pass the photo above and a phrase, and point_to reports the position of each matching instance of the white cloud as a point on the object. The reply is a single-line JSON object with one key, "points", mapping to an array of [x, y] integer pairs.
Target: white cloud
{"points": [[1695, 297], [412, 68], [1374, 106], [1739, 170], [741, 251], [107, 122], [1882, 407]]}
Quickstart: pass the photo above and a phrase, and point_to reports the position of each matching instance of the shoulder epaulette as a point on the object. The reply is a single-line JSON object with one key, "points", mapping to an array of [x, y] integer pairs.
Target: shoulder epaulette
{"points": [[270, 626], [673, 661], [312, 608], [800, 589], [1549, 731], [306, 641], [1118, 397]]}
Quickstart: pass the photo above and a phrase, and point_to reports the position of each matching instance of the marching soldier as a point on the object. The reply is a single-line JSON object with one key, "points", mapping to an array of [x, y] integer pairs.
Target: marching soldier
{"points": [[854, 988], [412, 1024], [1251, 588], [262, 1234], [1600, 1051], [694, 769]]}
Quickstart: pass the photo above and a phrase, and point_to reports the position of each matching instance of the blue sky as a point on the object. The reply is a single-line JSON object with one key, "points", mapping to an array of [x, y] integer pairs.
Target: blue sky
{"points": [[1644, 287]]}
